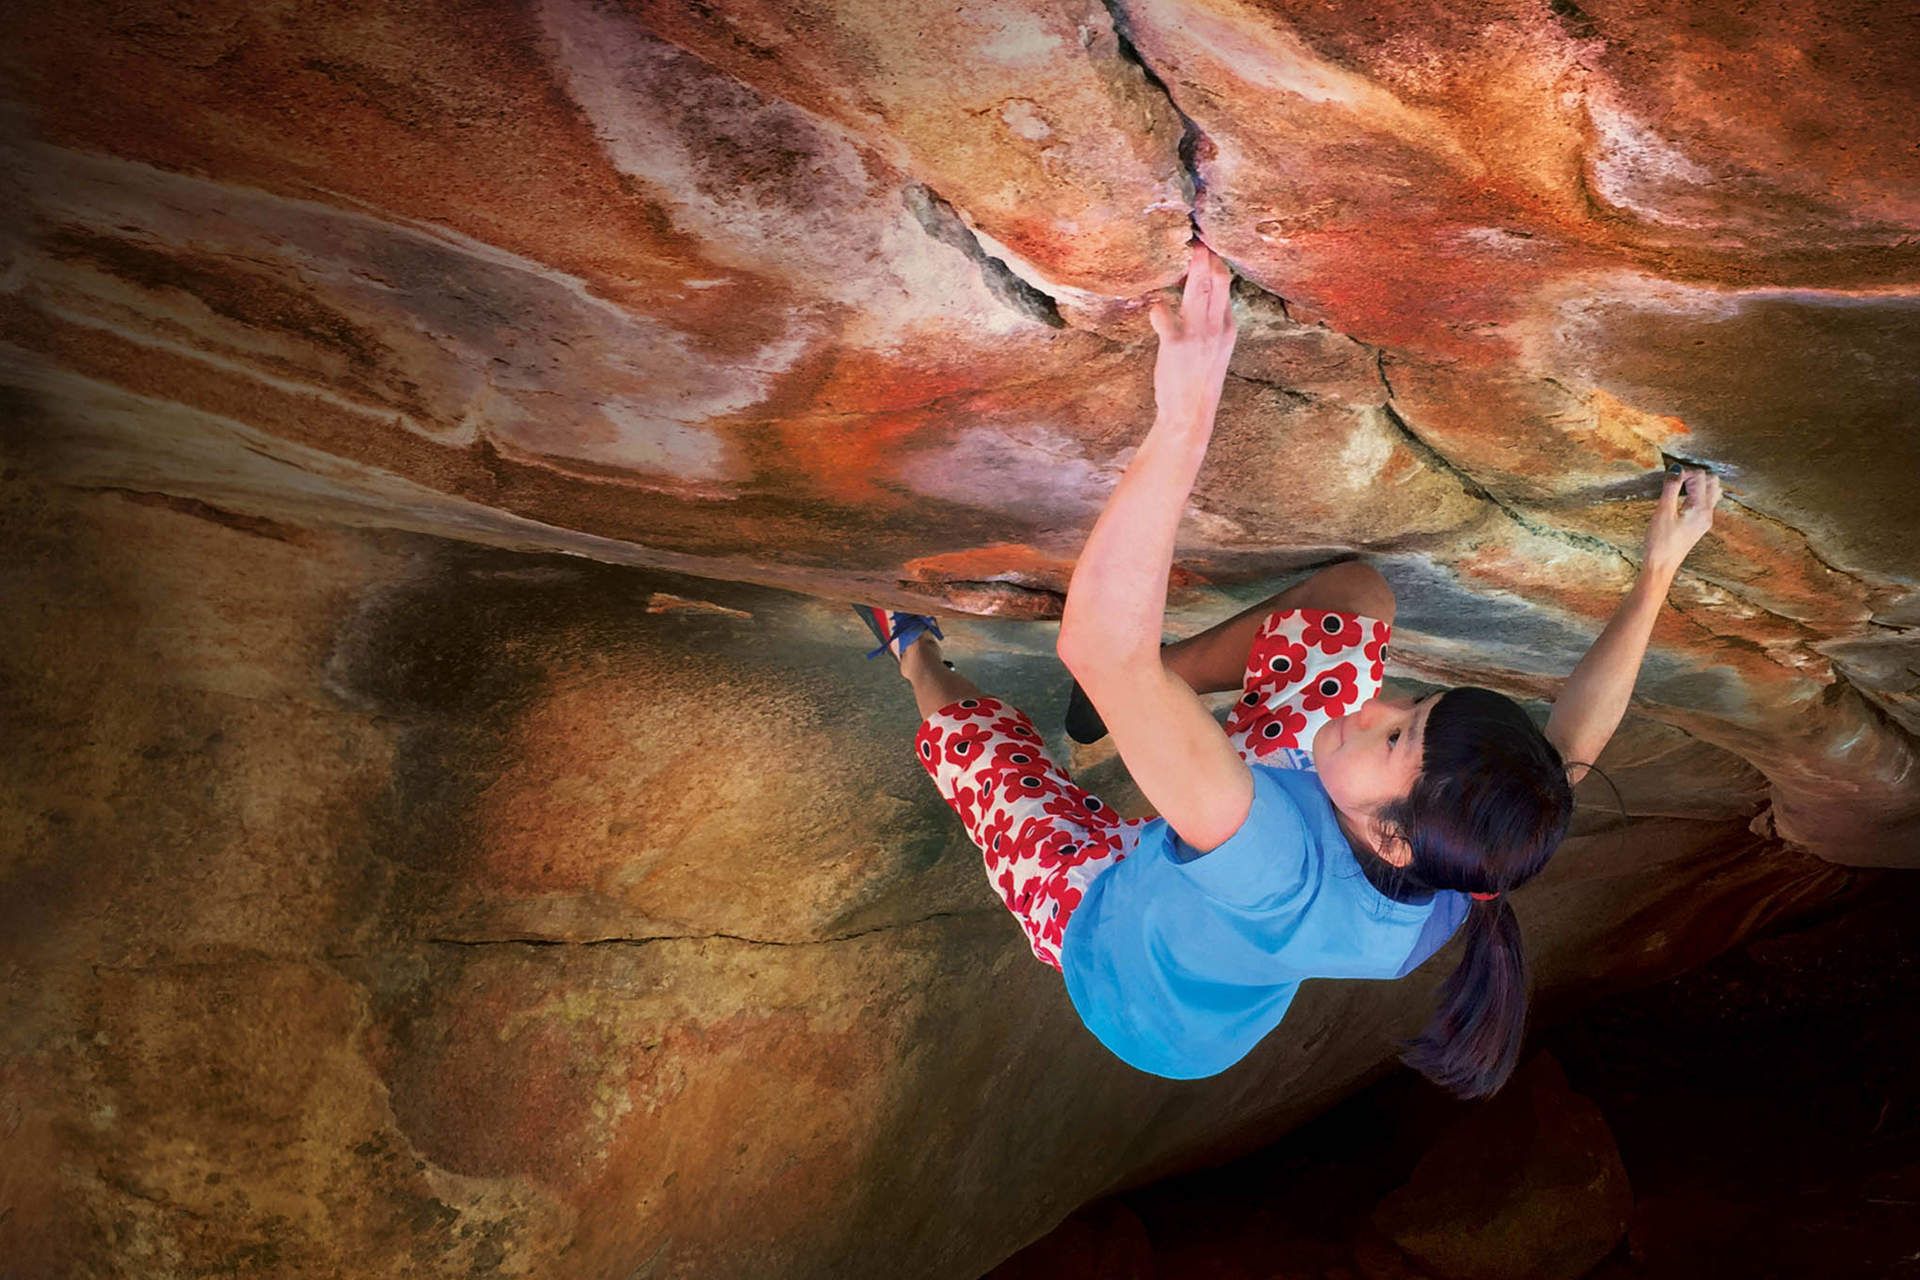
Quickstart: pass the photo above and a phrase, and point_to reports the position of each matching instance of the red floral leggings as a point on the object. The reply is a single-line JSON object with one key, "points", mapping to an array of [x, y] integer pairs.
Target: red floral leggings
{"points": [[1045, 838]]}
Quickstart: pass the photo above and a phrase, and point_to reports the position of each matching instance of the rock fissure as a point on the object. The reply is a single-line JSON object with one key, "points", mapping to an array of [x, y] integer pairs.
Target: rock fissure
{"points": [[944, 223], [840, 303], [642, 940], [1292, 394], [1191, 135], [1475, 489], [1587, 542], [1805, 539]]}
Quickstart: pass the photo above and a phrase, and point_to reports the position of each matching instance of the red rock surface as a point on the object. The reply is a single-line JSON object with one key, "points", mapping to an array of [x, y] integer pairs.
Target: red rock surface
{"points": [[844, 300], [767, 294]]}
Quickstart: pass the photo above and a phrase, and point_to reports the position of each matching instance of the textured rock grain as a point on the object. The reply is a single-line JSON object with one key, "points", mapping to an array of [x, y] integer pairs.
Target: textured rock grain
{"points": [[377, 903], [767, 295], [387, 393]]}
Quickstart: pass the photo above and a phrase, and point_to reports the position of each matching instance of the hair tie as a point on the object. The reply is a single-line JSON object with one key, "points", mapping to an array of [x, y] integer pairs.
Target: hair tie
{"points": [[1483, 897]]}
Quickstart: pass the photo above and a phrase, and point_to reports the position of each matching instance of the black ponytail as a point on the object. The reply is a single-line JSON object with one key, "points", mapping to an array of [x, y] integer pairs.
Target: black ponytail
{"points": [[1473, 1042], [1489, 808]]}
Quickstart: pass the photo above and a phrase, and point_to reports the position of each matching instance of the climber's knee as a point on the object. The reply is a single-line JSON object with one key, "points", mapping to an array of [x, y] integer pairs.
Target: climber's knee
{"points": [[1352, 586]]}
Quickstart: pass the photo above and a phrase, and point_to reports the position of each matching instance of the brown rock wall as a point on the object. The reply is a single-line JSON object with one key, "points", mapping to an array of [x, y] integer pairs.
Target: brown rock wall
{"points": [[380, 904], [315, 320]]}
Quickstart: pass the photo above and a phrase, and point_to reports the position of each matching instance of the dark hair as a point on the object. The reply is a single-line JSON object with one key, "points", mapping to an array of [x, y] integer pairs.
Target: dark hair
{"points": [[1490, 806]]}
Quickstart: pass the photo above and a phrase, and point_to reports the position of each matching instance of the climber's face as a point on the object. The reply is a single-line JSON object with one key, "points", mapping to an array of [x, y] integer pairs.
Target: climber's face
{"points": [[1370, 758]]}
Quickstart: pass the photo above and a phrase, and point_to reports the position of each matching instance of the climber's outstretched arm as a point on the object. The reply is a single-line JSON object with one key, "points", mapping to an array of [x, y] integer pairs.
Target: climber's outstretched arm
{"points": [[1594, 699], [1117, 600]]}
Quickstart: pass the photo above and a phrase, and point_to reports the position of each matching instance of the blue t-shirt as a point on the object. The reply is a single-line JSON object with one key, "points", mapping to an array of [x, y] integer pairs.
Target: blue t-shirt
{"points": [[1181, 967]]}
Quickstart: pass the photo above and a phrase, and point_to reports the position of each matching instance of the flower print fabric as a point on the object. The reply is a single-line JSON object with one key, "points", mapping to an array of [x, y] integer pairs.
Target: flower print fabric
{"points": [[1180, 962], [1306, 667], [1045, 838]]}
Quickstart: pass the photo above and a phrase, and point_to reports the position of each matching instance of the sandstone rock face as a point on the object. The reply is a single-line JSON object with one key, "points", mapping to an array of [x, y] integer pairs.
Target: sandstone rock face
{"points": [[848, 298], [389, 898], [1528, 1185], [378, 904]]}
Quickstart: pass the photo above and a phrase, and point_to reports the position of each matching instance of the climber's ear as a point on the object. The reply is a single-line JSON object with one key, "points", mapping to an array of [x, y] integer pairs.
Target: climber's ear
{"points": [[1387, 845], [1394, 851]]}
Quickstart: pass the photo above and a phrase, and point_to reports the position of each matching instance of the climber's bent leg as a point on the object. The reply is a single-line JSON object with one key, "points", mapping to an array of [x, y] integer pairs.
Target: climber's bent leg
{"points": [[1215, 660], [1044, 837]]}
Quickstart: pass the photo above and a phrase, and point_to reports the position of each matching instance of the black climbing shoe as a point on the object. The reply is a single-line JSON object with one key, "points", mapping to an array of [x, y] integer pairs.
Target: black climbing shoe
{"points": [[1084, 724]]}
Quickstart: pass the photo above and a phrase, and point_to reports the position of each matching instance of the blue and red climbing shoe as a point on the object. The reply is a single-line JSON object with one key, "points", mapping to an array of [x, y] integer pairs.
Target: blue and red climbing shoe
{"points": [[903, 627]]}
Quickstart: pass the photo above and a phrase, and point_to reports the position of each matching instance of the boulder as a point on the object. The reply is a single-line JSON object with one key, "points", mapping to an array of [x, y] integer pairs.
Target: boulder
{"points": [[380, 903], [1525, 1186], [762, 294], [448, 830]]}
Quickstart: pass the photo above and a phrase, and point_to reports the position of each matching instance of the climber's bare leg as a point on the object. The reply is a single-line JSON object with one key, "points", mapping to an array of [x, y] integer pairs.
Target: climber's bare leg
{"points": [[1215, 660], [935, 684]]}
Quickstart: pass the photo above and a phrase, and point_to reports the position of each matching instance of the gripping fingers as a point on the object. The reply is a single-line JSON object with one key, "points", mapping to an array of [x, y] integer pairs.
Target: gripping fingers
{"points": [[1689, 496], [1209, 292], [1206, 301], [1221, 301], [1704, 487], [1193, 301], [1700, 484], [1200, 271]]}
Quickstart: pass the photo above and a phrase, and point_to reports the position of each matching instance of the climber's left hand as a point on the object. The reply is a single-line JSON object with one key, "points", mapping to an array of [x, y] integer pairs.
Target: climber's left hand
{"points": [[1195, 344], [1681, 517]]}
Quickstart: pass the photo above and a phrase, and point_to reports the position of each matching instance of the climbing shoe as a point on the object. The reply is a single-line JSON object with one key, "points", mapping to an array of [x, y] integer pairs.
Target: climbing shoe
{"points": [[889, 627], [1084, 724]]}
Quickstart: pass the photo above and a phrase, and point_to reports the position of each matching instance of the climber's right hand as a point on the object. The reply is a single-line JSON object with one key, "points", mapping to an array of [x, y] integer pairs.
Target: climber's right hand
{"points": [[1195, 344], [1675, 527]]}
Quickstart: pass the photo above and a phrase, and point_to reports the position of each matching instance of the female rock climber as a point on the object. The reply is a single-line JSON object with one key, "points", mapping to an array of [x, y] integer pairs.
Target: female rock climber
{"points": [[1327, 832]]}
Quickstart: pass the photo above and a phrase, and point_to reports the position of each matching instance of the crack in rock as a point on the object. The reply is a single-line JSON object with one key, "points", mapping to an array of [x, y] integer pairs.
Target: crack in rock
{"points": [[1192, 137], [1573, 538], [1293, 395], [1806, 542], [1574, 20], [1440, 462], [534, 940], [943, 222]]}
